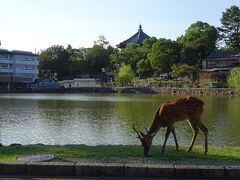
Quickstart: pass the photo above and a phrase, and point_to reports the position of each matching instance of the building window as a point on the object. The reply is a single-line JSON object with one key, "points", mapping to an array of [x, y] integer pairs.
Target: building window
{"points": [[221, 63], [211, 64], [4, 66]]}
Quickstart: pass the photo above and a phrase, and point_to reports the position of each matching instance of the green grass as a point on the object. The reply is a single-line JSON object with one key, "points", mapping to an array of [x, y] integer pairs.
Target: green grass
{"points": [[8, 154]]}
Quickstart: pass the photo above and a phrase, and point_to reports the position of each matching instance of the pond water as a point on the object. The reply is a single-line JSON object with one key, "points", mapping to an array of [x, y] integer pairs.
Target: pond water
{"points": [[95, 119]]}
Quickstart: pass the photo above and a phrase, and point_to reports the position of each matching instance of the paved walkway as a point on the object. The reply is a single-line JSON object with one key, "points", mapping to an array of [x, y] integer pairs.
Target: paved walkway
{"points": [[71, 169], [86, 178]]}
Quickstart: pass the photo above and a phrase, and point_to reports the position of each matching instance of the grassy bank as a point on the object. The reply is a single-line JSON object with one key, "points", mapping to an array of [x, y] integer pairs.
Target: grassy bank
{"points": [[120, 152]]}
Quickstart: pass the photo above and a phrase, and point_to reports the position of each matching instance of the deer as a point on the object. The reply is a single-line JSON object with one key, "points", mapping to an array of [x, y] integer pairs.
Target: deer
{"points": [[178, 109]]}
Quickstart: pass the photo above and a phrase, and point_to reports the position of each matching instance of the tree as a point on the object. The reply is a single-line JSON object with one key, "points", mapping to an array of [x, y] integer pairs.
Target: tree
{"points": [[148, 43], [144, 68], [198, 41], [54, 60], [130, 55], [164, 54], [125, 75], [75, 64], [101, 41], [230, 29], [234, 78], [96, 58]]}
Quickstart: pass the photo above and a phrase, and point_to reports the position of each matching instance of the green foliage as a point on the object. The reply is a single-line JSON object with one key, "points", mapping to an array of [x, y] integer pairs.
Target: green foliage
{"points": [[101, 41], [164, 54], [69, 63], [213, 84], [96, 58], [136, 56], [230, 29], [148, 43], [131, 55], [125, 75], [182, 70], [144, 68], [75, 61], [234, 78], [198, 41], [54, 60]]}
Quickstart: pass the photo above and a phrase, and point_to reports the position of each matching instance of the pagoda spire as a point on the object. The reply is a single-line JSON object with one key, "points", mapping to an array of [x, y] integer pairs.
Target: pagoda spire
{"points": [[137, 38]]}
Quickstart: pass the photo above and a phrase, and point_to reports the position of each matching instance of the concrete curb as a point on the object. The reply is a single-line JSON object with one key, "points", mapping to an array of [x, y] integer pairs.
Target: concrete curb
{"points": [[117, 169]]}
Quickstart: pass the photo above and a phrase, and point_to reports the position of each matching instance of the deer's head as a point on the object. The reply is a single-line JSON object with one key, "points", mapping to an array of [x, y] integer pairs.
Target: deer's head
{"points": [[145, 140]]}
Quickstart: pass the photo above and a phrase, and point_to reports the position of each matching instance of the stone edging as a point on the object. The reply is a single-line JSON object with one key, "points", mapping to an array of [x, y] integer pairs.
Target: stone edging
{"points": [[117, 169]]}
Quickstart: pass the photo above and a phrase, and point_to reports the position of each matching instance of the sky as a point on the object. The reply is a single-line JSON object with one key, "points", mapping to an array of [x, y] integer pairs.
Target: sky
{"points": [[38, 24]]}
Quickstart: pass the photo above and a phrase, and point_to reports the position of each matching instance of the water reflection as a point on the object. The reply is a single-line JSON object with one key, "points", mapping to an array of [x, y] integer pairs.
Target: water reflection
{"points": [[105, 119]]}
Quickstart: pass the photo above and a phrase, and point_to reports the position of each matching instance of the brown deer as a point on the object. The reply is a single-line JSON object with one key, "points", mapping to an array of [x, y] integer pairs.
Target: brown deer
{"points": [[178, 109]]}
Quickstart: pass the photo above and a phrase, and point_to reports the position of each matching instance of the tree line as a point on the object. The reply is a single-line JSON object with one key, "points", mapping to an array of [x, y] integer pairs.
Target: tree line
{"points": [[154, 57]]}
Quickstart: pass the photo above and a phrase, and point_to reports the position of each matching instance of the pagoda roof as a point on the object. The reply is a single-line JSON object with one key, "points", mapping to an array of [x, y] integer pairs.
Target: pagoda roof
{"points": [[137, 38]]}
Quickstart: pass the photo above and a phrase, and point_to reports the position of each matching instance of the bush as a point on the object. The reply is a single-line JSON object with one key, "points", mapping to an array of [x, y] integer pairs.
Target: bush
{"points": [[125, 75], [182, 70], [233, 79], [214, 84]]}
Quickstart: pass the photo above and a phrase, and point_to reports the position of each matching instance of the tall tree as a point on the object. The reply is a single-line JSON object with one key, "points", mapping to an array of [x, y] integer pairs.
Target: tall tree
{"points": [[198, 41], [96, 58], [54, 60], [131, 55], [144, 68], [164, 54], [230, 29], [102, 41], [75, 61]]}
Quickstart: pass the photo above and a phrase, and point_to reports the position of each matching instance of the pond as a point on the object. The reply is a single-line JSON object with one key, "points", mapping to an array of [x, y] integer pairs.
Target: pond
{"points": [[95, 119]]}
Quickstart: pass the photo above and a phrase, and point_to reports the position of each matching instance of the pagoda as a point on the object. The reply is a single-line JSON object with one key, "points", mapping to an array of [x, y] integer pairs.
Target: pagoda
{"points": [[137, 38]]}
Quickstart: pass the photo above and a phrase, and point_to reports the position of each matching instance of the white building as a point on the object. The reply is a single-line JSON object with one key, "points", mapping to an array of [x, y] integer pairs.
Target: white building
{"points": [[83, 82], [17, 69]]}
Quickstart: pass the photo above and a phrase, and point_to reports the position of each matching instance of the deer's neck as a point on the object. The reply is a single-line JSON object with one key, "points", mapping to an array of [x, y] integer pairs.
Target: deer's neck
{"points": [[154, 129]]}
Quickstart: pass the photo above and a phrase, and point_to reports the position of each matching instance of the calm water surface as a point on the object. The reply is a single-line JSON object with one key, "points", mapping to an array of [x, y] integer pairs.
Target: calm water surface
{"points": [[95, 119]]}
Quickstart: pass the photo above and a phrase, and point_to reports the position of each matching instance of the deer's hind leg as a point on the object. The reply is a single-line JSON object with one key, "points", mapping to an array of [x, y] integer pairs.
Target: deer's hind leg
{"points": [[195, 130]]}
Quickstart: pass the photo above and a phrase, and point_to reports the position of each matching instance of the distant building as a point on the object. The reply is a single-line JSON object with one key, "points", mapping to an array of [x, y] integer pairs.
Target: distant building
{"points": [[82, 82], [18, 69], [221, 61], [218, 63], [137, 38]]}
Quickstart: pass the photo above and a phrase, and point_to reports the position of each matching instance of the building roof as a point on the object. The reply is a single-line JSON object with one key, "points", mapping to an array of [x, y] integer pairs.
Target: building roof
{"points": [[4, 51], [17, 52], [137, 38], [224, 54]]}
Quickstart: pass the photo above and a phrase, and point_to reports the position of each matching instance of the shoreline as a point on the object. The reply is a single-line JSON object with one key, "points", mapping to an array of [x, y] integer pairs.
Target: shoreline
{"points": [[138, 90]]}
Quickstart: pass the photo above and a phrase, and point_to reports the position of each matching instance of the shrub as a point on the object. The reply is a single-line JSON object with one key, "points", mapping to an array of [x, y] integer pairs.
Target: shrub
{"points": [[234, 78], [125, 75]]}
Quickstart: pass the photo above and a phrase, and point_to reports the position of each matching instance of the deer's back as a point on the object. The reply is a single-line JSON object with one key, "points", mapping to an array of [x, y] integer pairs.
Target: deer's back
{"points": [[181, 109]]}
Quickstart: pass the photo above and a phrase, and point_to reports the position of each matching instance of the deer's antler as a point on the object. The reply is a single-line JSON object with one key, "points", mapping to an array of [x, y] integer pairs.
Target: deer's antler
{"points": [[146, 130], [139, 136]]}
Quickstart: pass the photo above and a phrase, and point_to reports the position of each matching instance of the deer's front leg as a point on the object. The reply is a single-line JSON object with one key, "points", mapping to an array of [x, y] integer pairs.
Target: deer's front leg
{"points": [[175, 138], [166, 137], [195, 133], [205, 131]]}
